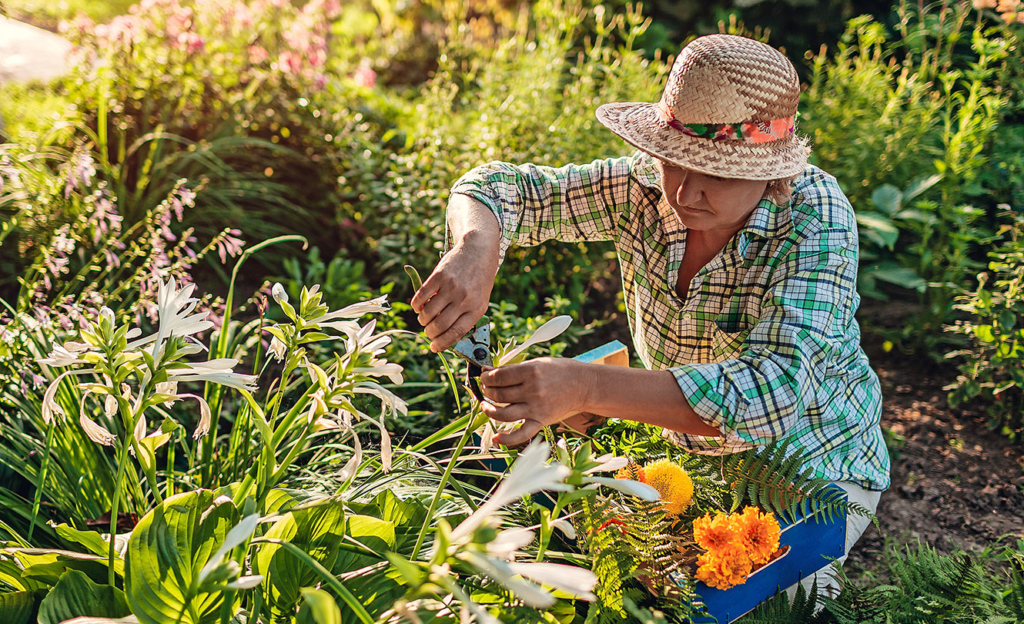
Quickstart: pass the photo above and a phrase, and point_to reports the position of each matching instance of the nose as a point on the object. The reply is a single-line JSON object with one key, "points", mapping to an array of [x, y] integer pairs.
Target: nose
{"points": [[683, 186]]}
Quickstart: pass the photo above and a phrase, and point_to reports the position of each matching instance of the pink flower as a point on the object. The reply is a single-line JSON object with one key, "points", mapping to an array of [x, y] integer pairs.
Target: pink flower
{"points": [[257, 54], [365, 77]]}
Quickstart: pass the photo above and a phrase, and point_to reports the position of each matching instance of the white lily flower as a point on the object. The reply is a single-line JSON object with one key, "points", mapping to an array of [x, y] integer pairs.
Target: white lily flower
{"points": [[530, 473], [96, 432], [205, 415], [174, 316], [565, 527], [388, 369], [77, 347], [353, 464], [506, 543], [277, 349], [217, 371], [278, 292], [633, 488], [60, 356], [51, 409], [317, 406], [608, 462], [109, 405], [379, 304], [501, 571], [573, 580], [548, 331], [390, 400], [167, 387], [486, 437], [141, 427]]}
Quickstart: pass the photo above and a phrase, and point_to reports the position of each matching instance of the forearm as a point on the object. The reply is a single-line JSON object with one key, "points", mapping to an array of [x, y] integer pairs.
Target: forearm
{"points": [[652, 397], [472, 224]]}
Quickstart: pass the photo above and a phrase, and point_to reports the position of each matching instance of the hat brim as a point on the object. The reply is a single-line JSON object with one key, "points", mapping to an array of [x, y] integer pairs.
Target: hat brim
{"points": [[640, 125]]}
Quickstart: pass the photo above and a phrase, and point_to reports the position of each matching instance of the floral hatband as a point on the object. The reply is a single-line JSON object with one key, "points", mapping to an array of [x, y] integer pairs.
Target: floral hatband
{"points": [[748, 132]]}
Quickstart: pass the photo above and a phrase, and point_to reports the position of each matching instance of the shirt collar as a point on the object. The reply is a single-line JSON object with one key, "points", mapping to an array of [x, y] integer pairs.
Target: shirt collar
{"points": [[769, 220]]}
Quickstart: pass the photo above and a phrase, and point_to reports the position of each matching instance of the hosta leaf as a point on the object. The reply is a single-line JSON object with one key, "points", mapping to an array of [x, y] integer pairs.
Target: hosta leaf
{"points": [[318, 531], [168, 550], [19, 607], [92, 540], [75, 595], [318, 608]]}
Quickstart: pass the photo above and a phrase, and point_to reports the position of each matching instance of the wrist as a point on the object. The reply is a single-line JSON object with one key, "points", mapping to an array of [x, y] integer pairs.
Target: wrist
{"points": [[588, 385]]}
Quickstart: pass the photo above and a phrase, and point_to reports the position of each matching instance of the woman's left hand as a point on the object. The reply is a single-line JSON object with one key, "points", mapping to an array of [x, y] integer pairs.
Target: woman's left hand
{"points": [[540, 392]]}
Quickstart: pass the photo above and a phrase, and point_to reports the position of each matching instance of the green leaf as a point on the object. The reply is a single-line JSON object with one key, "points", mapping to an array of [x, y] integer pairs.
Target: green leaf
{"points": [[318, 607], [18, 607], [75, 595], [166, 553], [879, 228], [920, 185], [92, 540], [319, 531], [376, 534], [886, 198]]}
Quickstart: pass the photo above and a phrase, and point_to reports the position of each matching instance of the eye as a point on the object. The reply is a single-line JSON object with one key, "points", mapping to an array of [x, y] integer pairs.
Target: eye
{"points": [[717, 178]]}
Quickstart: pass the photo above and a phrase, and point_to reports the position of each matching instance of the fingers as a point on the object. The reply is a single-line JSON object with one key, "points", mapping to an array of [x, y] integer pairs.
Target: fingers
{"points": [[455, 332], [504, 376], [506, 413], [521, 435], [505, 394]]}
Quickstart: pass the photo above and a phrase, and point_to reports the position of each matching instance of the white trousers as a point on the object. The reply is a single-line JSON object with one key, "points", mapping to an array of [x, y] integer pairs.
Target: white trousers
{"points": [[856, 524]]}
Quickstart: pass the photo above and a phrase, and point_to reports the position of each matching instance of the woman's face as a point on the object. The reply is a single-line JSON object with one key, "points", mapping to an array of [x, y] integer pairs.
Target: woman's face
{"points": [[705, 202]]}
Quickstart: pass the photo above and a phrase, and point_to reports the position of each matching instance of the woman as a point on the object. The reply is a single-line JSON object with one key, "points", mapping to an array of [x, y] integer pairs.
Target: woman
{"points": [[739, 265]]}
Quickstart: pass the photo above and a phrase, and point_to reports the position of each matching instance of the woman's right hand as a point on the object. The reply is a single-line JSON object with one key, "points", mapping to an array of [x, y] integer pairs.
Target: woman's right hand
{"points": [[456, 294]]}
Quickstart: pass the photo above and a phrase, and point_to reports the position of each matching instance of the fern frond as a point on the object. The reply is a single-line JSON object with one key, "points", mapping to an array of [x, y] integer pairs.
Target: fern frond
{"points": [[776, 478], [1015, 598]]}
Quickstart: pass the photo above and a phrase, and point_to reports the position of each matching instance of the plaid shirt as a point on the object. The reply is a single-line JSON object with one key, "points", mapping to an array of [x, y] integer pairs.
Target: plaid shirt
{"points": [[765, 346]]}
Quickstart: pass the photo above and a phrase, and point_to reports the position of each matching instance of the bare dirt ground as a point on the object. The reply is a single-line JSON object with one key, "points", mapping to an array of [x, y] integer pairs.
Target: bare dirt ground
{"points": [[955, 483]]}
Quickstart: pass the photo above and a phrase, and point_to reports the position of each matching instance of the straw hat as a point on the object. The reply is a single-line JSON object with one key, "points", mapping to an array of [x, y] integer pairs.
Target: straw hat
{"points": [[728, 110]]}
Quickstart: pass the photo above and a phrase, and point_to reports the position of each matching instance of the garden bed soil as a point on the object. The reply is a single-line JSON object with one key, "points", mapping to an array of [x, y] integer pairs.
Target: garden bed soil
{"points": [[956, 484]]}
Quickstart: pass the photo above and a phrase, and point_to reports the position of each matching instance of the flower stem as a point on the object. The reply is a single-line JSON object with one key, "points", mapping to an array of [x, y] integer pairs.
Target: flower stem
{"points": [[467, 432], [42, 479], [122, 462]]}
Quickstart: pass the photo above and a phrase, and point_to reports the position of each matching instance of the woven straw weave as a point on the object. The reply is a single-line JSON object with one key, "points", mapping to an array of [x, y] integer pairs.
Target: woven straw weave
{"points": [[719, 79]]}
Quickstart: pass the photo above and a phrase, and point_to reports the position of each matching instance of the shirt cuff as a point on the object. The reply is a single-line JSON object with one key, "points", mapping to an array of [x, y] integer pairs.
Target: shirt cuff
{"points": [[704, 387]]}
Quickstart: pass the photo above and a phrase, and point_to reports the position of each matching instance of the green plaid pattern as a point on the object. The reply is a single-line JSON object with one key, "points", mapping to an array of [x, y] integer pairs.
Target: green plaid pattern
{"points": [[766, 346]]}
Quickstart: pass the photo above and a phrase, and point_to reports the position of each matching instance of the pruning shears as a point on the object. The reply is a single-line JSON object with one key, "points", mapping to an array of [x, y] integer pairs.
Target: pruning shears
{"points": [[475, 348]]}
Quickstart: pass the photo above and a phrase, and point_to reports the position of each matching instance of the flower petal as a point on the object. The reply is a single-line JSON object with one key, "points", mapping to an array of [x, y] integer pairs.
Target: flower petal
{"points": [[633, 488], [579, 582], [97, 433]]}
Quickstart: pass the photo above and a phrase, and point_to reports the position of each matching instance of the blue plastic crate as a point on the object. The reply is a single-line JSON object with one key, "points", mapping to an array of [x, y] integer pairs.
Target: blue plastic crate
{"points": [[813, 544]]}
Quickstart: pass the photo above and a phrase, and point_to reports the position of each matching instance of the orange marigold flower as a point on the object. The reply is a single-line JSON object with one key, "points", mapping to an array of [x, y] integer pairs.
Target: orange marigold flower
{"points": [[714, 533], [672, 482], [758, 533], [724, 568]]}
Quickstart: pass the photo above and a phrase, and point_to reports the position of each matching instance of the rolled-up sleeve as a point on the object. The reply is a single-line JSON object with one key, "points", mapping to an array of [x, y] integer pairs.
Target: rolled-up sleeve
{"points": [[758, 397], [534, 203]]}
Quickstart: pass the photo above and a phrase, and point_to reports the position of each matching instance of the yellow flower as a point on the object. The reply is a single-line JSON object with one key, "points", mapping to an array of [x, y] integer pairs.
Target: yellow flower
{"points": [[714, 534], [724, 568], [672, 482], [758, 533]]}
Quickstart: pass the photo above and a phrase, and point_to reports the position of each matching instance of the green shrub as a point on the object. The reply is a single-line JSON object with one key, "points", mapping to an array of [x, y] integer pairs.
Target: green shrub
{"points": [[913, 119], [992, 367]]}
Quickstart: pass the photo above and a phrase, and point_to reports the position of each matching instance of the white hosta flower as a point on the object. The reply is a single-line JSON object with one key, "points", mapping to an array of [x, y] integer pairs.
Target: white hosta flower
{"points": [[174, 316], [578, 582], [60, 356], [140, 428], [205, 415], [96, 432], [388, 369], [219, 371], [506, 543], [379, 304], [390, 400], [486, 437], [607, 463], [548, 331], [51, 409], [167, 387], [278, 292], [530, 473], [277, 349], [353, 464], [626, 486], [109, 405], [565, 527]]}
